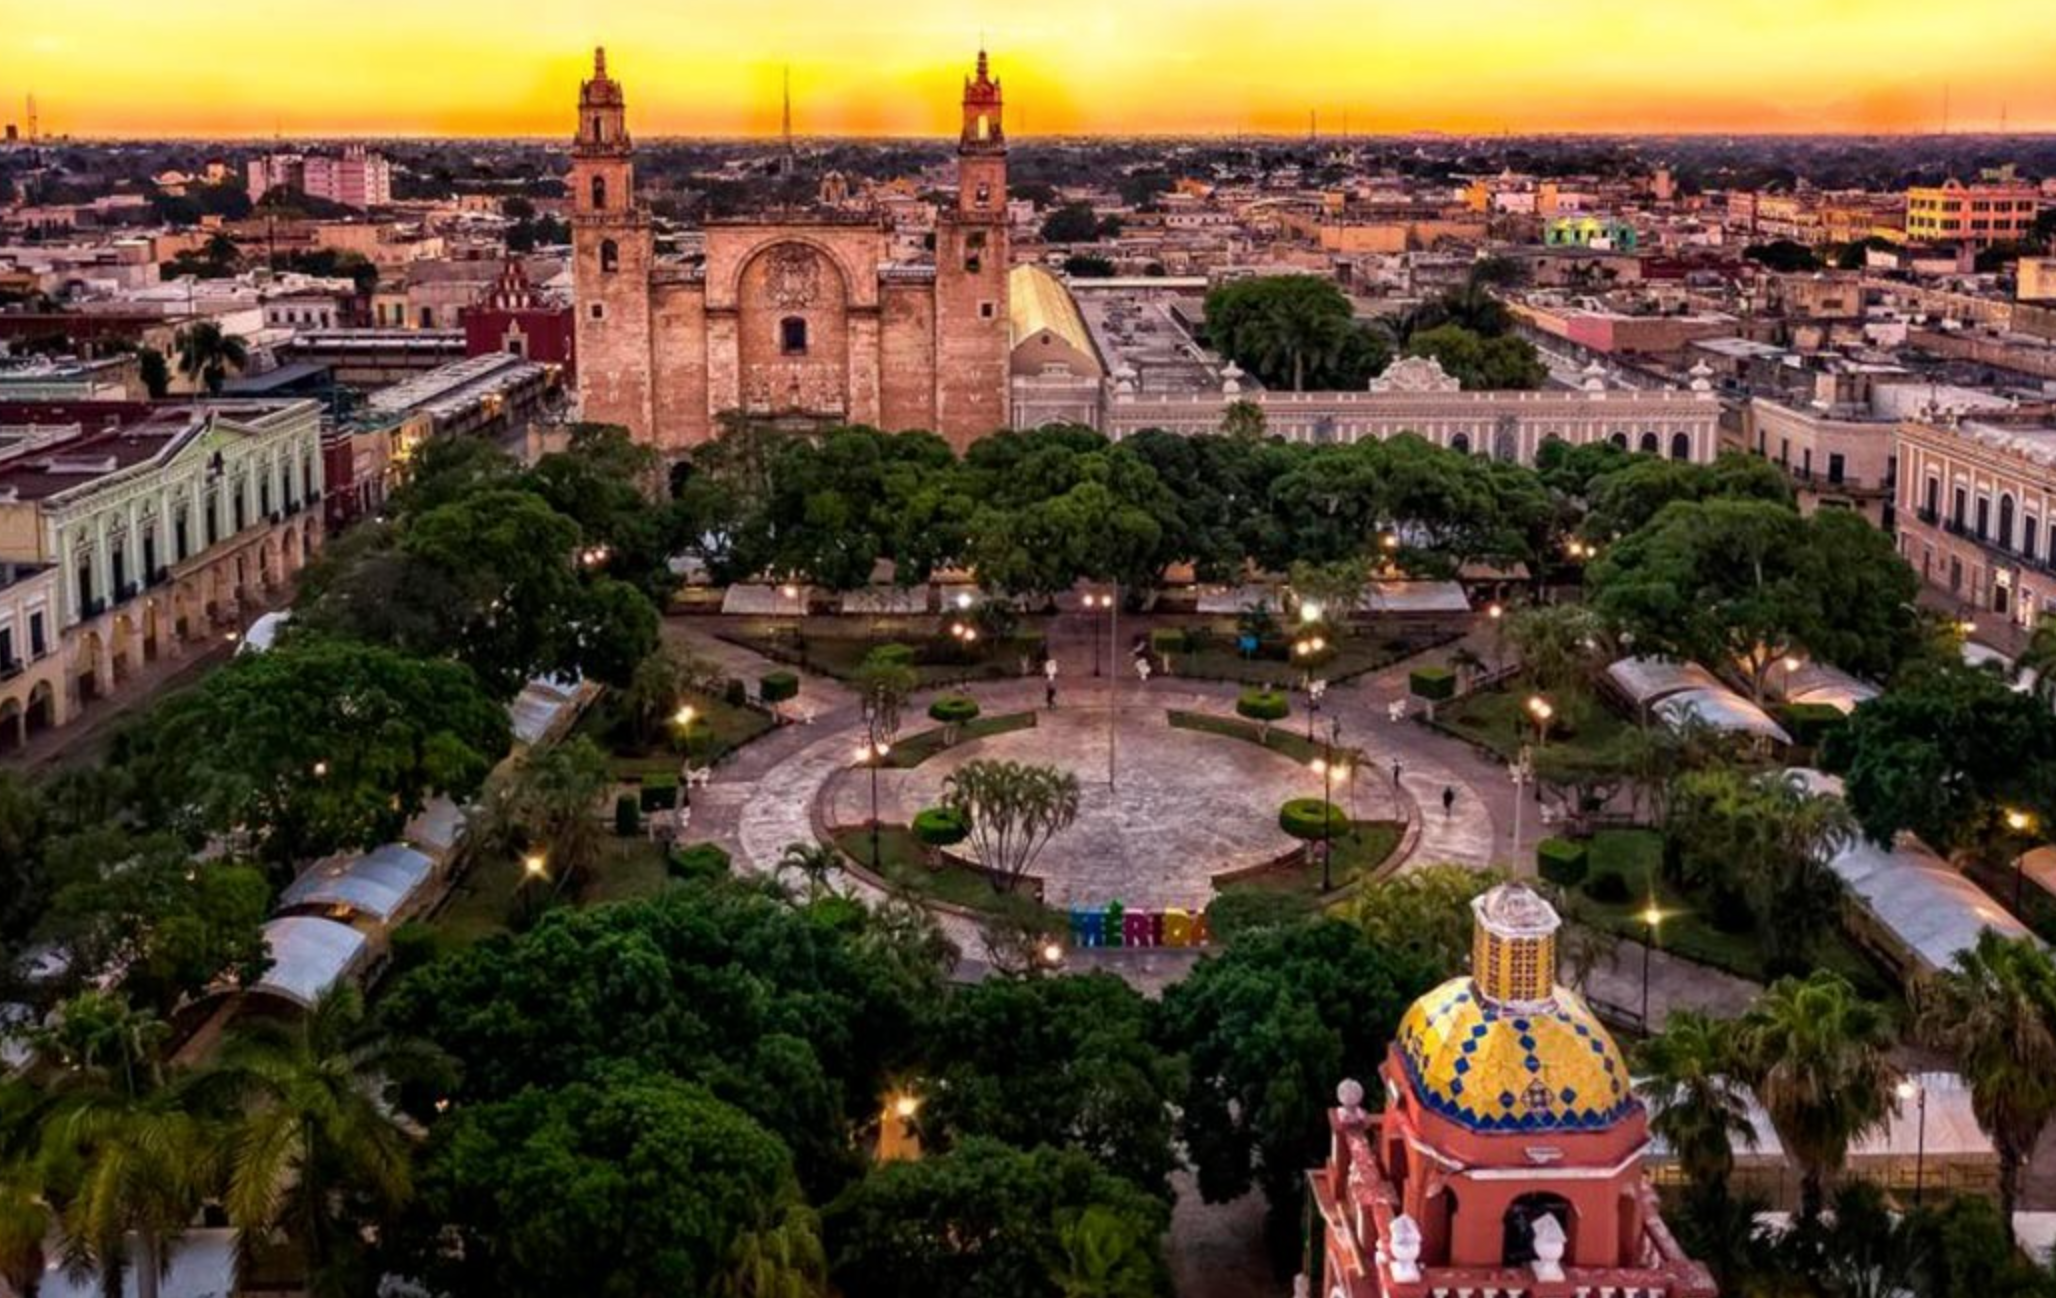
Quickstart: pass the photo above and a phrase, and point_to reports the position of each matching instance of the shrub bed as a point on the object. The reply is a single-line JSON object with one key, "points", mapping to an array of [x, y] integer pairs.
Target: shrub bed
{"points": [[777, 687], [1435, 684], [1310, 819], [941, 826], [1561, 861], [1263, 705], [953, 709]]}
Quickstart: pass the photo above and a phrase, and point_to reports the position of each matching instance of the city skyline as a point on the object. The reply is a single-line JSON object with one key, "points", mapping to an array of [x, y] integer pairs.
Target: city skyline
{"points": [[1164, 67]]}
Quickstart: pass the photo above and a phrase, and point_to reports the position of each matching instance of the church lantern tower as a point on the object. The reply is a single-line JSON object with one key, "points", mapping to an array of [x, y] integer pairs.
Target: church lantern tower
{"points": [[1508, 1156], [612, 248], [971, 317]]}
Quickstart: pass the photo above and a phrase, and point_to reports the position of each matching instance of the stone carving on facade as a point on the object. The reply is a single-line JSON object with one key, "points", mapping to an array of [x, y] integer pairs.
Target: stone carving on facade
{"points": [[793, 277], [1415, 374]]}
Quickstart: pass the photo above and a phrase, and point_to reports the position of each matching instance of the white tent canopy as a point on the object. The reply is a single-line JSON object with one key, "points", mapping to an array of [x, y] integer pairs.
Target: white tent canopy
{"points": [[378, 884], [1645, 680], [1722, 709], [309, 955], [1951, 1128], [539, 707], [1230, 600], [1415, 597], [201, 1263], [764, 601], [1818, 682]]}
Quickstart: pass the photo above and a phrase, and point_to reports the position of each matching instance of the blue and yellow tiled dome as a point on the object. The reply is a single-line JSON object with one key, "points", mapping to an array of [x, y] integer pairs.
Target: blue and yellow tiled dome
{"points": [[1507, 1050]]}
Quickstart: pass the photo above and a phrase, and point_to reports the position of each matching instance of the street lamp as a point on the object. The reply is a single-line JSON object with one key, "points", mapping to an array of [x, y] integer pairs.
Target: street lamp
{"points": [[1520, 771], [1315, 689], [1329, 770], [1093, 603], [533, 865], [1497, 612], [1541, 709], [320, 769], [872, 752], [1309, 610], [1911, 1089], [1052, 953], [1651, 918], [2021, 823]]}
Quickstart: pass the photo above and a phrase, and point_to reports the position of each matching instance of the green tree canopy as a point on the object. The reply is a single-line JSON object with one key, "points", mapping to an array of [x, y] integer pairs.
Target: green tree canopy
{"points": [[1478, 362], [1294, 331]]}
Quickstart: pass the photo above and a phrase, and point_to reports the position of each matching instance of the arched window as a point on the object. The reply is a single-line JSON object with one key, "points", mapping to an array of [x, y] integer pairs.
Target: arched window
{"points": [[610, 256], [1461, 443], [596, 129], [2006, 522], [792, 336], [1648, 446], [599, 193], [1620, 440], [1681, 446], [1933, 503], [1522, 1216], [984, 127]]}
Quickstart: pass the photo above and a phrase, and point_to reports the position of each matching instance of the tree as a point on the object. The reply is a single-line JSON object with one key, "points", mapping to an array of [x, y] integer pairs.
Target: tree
{"points": [[154, 371], [883, 684], [1815, 1052], [1559, 645], [206, 354], [1627, 498], [1994, 1012], [1782, 256], [1424, 915], [986, 1220], [1479, 363], [549, 802], [781, 1257], [638, 1184], [319, 745], [1066, 1062], [2036, 666], [1295, 331], [1691, 1076], [1080, 266], [1015, 809], [816, 864], [613, 629], [1243, 419], [1071, 223], [316, 1149], [1766, 838], [1944, 754], [1268, 1028]]}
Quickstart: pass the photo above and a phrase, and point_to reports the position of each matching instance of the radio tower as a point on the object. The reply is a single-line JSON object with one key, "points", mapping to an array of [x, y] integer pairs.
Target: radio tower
{"points": [[32, 119], [790, 164]]}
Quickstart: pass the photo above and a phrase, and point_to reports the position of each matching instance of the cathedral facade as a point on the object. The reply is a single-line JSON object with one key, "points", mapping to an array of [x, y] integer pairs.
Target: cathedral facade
{"points": [[797, 319]]}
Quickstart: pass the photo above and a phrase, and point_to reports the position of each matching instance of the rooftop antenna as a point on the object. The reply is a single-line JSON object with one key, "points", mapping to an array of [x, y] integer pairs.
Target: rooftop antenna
{"points": [[789, 163], [1313, 125], [32, 118], [1945, 108]]}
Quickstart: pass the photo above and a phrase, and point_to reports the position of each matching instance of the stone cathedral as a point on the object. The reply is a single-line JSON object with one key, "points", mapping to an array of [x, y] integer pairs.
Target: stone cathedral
{"points": [[799, 319]]}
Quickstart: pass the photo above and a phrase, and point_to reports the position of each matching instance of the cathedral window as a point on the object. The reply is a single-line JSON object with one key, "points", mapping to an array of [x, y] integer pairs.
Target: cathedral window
{"points": [[792, 336], [596, 129], [988, 310], [599, 311], [984, 195], [610, 256], [599, 193]]}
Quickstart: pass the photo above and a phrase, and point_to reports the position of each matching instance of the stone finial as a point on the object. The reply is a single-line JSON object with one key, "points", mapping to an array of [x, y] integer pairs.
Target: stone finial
{"points": [[1231, 379], [1349, 1093], [1549, 1244], [1404, 1250], [599, 63]]}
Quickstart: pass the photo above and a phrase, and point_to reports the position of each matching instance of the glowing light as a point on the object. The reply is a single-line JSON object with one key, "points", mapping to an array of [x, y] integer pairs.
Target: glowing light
{"points": [[1540, 708], [1309, 611], [2019, 821], [320, 769], [963, 600], [684, 716], [1052, 953], [533, 865], [1495, 612], [906, 1106], [1651, 916]]}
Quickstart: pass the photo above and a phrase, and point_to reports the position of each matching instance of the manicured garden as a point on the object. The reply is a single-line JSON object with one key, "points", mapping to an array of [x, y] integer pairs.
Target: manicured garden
{"points": [[719, 726], [1360, 848], [1210, 652], [838, 647], [912, 750], [483, 903], [1499, 719], [1286, 737], [905, 862]]}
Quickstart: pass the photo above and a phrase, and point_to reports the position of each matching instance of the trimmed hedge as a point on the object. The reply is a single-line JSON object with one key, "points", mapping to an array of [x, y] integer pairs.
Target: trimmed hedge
{"points": [[953, 709], [736, 692], [777, 687], [1561, 861], [891, 655], [1263, 705], [1168, 640], [1435, 684], [659, 792], [941, 826], [700, 861], [1811, 723], [627, 816], [1309, 819], [1611, 888]]}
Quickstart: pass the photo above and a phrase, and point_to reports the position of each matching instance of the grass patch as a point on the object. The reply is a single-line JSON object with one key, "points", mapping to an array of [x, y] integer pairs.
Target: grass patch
{"points": [[481, 905], [903, 861], [1499, 720], [1356, 654], [1367, 845], [719, 728], [915, 749], [630, 869], [1636, 855], [1283, 739]]}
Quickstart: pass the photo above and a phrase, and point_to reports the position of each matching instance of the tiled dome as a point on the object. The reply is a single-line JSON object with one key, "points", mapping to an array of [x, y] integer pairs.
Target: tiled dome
{"points": [[1504, 1068]]}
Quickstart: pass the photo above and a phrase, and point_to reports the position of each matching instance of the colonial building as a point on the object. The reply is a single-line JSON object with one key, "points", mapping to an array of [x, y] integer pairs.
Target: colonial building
{"points": [[139, 541], [1977, 513], [1508, 1157], [798, 317]]}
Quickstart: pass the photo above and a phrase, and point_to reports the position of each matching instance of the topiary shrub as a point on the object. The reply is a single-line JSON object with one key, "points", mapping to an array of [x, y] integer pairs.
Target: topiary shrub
{"points": [[1561, 861], [777, 687], [1263, 706], [627, 816], [1310, 819], [891, 655], [736, 692], [953, 709], [1435, 684], [700, 861], [659, 792], [939, 827], [1610, 888], [1168, 640]]}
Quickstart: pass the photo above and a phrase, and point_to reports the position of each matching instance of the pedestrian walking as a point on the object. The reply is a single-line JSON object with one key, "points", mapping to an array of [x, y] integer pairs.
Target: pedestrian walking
{"points": [[1448, 800], [1395, 773], [1050, 695]]}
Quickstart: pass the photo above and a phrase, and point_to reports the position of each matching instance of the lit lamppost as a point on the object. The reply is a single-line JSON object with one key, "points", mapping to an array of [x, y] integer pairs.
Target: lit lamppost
{"points": [[877, 744], [1329, 770], [2021, 823], [1094, 603], [683, 719], [1651, 918], [1912, 1089], [1497, 612], [1541, 709], [1520, 771]]}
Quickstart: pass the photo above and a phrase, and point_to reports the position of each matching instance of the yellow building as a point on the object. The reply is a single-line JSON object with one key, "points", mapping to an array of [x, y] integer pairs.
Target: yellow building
{"points": [[1980, 215]]}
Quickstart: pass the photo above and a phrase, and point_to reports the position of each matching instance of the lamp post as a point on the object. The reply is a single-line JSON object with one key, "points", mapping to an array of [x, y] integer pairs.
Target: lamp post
{"points": [[1093, 603], [1327, 769], [1314, 690], [1912, 1089], [1651, 917], [1520, 771], [1497, 612], [1541, 709], [2021, 823], [873, 752]]}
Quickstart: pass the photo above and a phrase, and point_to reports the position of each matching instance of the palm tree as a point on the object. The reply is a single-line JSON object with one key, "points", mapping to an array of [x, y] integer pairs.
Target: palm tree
{"points": [[782, 1258], [26, 1217], [313, 1129], [1697, 1101], [1815, 1052], [1102, 1257], [207, 354], [1015, 809], [1995, 1014], [815, 863]]}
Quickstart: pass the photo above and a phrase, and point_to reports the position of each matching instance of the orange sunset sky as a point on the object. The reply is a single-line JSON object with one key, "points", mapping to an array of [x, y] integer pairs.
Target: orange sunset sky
{"points": [[510, 67]]}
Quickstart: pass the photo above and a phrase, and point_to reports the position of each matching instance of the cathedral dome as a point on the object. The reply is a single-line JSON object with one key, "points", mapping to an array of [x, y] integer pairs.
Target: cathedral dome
{"points": [[1507, 1049]]}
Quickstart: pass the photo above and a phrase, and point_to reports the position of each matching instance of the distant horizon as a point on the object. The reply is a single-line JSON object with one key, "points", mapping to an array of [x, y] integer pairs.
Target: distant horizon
{"points": [[317, 137], [499, 69]]}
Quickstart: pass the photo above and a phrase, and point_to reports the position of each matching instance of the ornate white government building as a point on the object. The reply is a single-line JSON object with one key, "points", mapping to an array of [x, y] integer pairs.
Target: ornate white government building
{"points": [[136, 533]]}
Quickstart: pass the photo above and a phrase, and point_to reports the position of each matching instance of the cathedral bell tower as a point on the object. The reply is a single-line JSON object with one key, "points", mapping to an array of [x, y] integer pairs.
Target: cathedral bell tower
{"points": [[971, 318], [612, 248]]}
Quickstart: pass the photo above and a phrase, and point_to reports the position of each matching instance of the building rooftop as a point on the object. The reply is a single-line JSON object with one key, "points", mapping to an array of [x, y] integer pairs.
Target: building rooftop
{"points": [[62, 464], [449, 388]]}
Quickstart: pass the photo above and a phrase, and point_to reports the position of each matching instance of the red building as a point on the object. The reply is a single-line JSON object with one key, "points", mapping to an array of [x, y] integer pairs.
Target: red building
{"points": [[1508, 1158], [513, 320]]}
